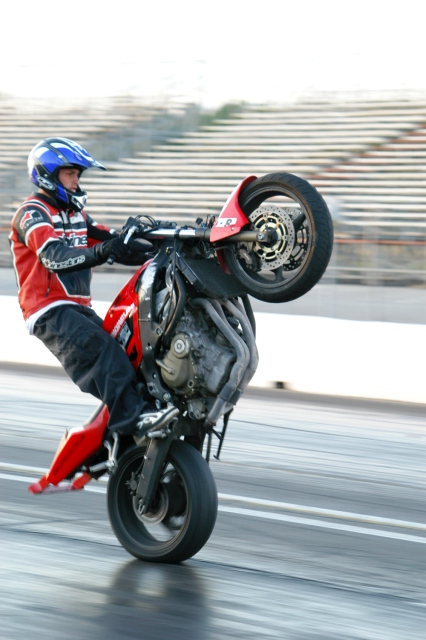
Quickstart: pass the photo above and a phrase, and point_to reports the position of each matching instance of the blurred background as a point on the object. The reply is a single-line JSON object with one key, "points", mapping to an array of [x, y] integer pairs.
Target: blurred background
{"points": [[175, 159], [181, 103]]}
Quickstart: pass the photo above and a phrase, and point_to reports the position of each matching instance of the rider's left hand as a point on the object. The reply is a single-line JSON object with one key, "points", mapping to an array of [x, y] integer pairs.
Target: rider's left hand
{"points": [[136, 253]]}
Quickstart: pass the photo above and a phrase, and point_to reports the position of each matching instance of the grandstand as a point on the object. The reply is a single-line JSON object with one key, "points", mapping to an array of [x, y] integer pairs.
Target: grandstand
{"points": [[367, 158]]}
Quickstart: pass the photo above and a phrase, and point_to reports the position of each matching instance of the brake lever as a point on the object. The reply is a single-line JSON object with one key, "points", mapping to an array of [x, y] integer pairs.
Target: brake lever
{"points": [[129, 234]]}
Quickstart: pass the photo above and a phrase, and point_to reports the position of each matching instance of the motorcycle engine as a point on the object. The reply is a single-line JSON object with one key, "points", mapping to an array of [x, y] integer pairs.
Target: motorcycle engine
{"points": [[198, 362]]}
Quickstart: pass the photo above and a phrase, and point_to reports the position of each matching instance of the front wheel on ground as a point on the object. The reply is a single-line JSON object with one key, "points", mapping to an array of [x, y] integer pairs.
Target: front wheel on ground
{"points": [[182, 514]]}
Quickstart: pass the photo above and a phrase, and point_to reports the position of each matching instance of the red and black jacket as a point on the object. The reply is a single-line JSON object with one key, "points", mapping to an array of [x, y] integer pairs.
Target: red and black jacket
{"points": [[52, 253]]}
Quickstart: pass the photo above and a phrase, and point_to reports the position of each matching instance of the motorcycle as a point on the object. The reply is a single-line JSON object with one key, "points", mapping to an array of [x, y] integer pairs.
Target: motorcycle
{"points": [[185, 320]]}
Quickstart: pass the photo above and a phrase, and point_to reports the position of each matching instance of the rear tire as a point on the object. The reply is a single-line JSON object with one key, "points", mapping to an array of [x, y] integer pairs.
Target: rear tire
{"points": [[301, 251], [183, 513]]}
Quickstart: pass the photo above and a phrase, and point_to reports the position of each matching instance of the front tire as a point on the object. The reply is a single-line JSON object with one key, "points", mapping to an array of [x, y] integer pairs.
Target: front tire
{"points": [[182, 515], [300, 252]]}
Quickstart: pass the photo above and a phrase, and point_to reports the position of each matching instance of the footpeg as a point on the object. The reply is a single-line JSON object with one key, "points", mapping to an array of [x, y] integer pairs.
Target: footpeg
{"points": [[161, 433]]}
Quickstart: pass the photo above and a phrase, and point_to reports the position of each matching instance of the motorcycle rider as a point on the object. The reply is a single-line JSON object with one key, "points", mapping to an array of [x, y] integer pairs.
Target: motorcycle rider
{"points": [[55, 244]]}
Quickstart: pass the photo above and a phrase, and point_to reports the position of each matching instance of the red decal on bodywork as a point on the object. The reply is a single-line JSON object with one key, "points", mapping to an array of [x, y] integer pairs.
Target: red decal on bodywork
{"points": [[123, 308]]}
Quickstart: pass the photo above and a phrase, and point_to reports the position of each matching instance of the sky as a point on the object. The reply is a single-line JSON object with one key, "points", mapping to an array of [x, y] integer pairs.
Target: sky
{"points": [[213, 53]]}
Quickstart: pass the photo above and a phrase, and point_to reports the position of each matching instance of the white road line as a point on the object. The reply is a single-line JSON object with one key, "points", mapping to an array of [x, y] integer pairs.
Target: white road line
{"points": [[7, 466], [281, 517], [259, 502], [325, 513], [325, 525], [10, 476]]}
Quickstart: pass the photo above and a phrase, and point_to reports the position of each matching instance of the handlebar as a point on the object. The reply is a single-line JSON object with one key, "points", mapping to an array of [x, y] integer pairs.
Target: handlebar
{"points": [[202, 233], [199, 233]]}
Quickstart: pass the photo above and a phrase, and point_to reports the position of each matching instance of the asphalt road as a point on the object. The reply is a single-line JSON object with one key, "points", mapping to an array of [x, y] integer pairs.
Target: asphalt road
{"points": [[337, 552]]}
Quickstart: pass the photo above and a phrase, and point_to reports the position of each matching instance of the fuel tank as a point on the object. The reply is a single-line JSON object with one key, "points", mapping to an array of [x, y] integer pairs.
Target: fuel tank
{"points": [[121, 319]]}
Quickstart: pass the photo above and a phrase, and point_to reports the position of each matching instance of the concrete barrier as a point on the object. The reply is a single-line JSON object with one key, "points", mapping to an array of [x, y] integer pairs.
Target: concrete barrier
{"points": [[381, 360]]}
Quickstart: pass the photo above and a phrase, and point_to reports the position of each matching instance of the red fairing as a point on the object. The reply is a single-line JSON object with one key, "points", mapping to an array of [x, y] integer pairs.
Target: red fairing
{"points": [[231, 219], [77, 445], [121, 320]]}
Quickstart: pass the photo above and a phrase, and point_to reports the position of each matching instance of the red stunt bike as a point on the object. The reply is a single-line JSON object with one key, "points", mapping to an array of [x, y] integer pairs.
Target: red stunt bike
{"points": [[185, 321]]}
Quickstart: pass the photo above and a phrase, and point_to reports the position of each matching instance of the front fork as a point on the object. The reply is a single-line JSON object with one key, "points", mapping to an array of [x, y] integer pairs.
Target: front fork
{"points": [[154, 460]]}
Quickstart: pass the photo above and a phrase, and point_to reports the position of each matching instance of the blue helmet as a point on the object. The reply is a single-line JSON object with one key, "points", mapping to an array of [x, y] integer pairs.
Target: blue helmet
{"points": [[51, 155]]}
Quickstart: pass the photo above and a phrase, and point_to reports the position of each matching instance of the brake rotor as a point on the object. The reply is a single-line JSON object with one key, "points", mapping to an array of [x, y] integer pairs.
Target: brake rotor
{"points": [[157, 511], [269, 217]]}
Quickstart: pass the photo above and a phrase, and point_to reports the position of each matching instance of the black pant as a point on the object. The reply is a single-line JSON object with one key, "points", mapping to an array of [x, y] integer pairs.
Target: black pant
{"points": [[93, 360]]}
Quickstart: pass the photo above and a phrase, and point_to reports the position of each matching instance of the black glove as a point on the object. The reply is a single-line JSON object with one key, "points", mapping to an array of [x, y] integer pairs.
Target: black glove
{"points": [[131, 254], [136, 254], [114, 247]]}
